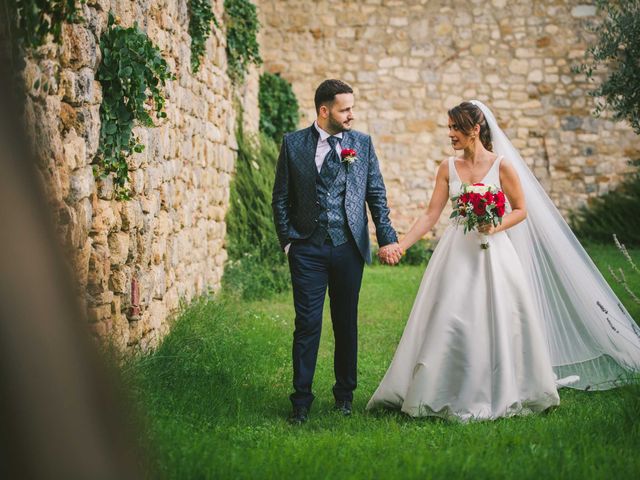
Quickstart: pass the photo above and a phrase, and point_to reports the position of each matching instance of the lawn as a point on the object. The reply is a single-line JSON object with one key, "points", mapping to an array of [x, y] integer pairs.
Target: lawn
{"points": [[215, 399]]}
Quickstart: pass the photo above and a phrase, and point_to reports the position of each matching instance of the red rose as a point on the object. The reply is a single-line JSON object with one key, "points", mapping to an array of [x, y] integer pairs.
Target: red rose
{"points": [[500, 210], [475, 198], [347, 152]]}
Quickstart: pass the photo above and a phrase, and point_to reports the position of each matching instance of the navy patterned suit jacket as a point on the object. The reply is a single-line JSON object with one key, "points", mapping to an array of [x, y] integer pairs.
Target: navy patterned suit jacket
{"points": [[295, 200]]}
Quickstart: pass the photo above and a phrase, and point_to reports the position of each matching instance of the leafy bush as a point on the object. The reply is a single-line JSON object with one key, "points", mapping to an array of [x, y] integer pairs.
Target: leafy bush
{"points": [[257, 265], [617, 51], [419, 253], [615, 212], [279, 112]]}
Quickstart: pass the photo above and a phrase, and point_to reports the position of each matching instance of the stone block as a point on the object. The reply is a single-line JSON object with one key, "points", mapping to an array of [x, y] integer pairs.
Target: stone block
{"points": [[80, 87], [105, 219], [519, 66], [74, 150], [81, 184], [120, 280], [119, 247], [87, 123], [82, 225], [99, 313], [132, 216], [79, 47], [581, 11]]}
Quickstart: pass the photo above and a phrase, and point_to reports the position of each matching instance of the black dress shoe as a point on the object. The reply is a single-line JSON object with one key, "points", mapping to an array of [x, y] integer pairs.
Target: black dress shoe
{"points": [[298, 416], [344, 407]]}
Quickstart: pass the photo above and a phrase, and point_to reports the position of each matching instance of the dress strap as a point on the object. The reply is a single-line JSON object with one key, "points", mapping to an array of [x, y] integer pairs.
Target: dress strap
{"points": [[453, 173], [493, 175]]}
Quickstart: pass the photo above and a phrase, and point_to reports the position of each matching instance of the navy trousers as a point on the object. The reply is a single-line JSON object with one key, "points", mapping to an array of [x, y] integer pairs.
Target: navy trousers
{"points": [[313, 269]]}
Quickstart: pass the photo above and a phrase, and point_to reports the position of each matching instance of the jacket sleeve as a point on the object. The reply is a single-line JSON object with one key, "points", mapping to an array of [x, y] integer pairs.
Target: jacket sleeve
{"points": [[280, 196], [376, 197]]}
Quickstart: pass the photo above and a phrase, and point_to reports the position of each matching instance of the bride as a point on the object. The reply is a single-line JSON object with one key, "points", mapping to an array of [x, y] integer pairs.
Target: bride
{"points": [[492, 330]]}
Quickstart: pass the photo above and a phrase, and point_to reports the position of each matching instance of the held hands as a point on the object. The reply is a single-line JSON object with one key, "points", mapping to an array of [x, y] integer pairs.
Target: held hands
{"points": [[390, 254]]}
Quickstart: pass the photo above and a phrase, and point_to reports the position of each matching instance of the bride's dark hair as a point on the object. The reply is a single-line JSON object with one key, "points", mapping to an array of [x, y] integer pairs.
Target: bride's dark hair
{"points": [[466, 116]]}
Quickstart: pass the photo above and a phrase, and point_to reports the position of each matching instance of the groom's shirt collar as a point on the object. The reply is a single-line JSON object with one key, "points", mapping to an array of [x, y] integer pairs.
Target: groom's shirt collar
{"points": [[324, 135], [322, 147]]}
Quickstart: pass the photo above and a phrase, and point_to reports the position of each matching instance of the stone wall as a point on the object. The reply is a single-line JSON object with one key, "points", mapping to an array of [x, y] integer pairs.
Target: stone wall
{"points": [[137, 260], [409, 61]]}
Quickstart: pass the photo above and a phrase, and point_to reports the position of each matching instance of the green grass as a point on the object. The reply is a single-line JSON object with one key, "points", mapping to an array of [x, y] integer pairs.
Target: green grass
{"points": [[215, 399]]}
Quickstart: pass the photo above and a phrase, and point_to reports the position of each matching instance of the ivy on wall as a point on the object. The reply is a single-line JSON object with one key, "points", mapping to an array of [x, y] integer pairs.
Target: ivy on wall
{"points": [[35, 20], [132, 74], [200, 18], [242, 42], [279, 111]]}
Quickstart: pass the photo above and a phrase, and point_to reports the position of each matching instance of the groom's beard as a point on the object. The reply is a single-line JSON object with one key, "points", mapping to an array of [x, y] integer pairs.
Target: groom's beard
{"points": [[337, 126]]}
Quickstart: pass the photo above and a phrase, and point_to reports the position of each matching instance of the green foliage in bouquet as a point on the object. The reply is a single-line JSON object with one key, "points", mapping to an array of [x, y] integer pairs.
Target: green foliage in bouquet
{"points": [[200, 18], [257, 266], [617, 51], [243, 49], [616, 212], [279, 111], [132, 74]]}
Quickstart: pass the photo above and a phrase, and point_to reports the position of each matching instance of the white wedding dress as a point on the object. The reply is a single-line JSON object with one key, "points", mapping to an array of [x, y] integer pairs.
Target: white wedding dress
{"points": [[489, 328], [474, 346]]}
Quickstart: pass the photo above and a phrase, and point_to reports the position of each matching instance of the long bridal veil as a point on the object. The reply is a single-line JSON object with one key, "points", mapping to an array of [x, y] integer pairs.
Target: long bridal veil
{"points": [[588, 330]]}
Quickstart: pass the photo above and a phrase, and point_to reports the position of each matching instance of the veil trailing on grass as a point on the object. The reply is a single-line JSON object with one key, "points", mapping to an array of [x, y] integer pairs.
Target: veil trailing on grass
{"points": [[588, 330]]}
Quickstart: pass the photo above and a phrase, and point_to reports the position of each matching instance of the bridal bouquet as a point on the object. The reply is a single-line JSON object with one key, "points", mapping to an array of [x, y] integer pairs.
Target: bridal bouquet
{"points": [[477, 204]]}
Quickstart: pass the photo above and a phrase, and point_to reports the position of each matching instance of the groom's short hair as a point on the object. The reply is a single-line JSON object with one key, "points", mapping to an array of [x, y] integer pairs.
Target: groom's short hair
{"points": [[327, 91]]}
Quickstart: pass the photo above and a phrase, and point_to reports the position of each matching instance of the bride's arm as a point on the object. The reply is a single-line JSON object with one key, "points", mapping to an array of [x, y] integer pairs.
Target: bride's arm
{"points": [[513, 190], [439, 199]]}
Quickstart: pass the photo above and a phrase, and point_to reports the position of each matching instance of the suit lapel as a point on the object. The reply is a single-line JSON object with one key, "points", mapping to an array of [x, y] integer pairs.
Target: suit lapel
{"points": [[308, 153], [348, 143]]}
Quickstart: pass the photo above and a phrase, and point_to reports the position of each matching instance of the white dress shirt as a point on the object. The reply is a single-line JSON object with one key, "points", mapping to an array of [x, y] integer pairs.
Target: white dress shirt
{"points": [[323, 145]]}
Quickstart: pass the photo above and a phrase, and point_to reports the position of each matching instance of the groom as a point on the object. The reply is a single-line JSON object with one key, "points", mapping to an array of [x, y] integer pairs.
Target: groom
{"points": [[325, 174]]}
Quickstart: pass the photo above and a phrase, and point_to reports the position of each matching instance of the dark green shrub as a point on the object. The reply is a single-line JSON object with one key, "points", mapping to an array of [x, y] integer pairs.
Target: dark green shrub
{"points": [[419, 253], [617, 50], [279, 112], [257, 266], [616, 212]]}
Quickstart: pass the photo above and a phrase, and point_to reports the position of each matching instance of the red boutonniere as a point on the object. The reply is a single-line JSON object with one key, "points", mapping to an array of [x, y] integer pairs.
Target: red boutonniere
{"points": [[348, 156]]}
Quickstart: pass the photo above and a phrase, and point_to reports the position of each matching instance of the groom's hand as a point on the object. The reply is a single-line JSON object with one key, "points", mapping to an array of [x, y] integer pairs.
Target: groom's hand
{"points": [[390, 254]]}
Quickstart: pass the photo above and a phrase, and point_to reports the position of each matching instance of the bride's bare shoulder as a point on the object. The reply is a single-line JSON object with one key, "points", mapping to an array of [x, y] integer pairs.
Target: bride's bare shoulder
{"points": [[443, 170], [505, 164]]}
